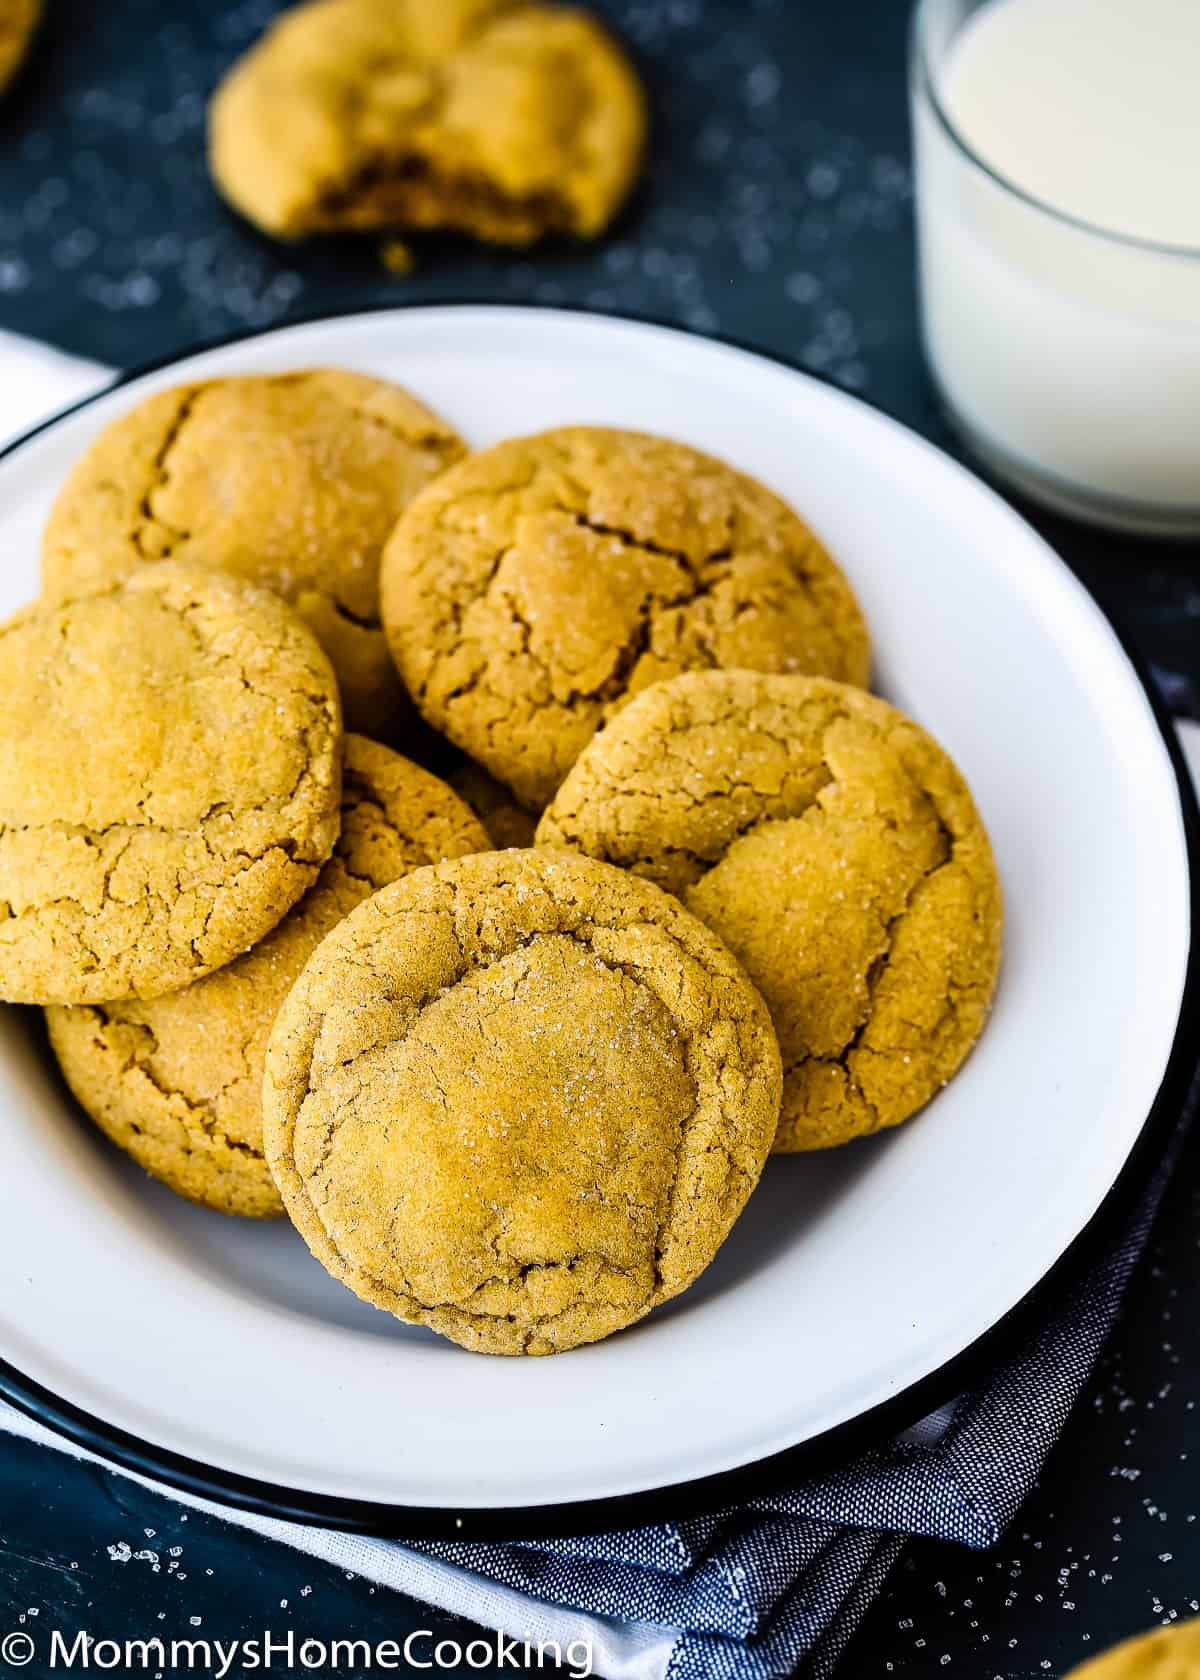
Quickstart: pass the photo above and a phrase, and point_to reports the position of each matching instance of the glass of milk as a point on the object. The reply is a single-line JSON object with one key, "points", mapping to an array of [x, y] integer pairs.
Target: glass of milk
{"points": [[1058, 218]]}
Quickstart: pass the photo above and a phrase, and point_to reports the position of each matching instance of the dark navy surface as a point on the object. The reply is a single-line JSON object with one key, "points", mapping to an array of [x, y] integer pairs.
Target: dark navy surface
{"points": [[776, 209]]}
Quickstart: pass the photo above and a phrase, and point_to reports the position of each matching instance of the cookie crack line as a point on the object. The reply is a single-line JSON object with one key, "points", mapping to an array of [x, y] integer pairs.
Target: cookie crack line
{"points": [[701, 862], [160, 476], [206, 1121], [442, 442], [287, 845], [878, 971], [531, 1268], [800, 562], [637, 644], [433, 995], [645, 545], [617, 789]]}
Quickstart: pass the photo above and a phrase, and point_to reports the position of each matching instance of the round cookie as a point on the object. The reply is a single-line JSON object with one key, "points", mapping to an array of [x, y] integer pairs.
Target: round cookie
{"points": [[1166, 1653], [169, 781], [538, 585], [177, 1081], [18, 21], [835, 848], [509, 826], [520, 1098], [292, 481], [505, 119]]}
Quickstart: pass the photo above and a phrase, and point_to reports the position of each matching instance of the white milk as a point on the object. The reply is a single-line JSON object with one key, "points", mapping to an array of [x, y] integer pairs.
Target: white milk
{"points": [[1065, 338]]}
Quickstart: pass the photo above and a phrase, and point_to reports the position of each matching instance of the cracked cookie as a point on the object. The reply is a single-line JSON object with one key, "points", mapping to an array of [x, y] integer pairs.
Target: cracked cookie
{"points": [[520, 1098], [504, 119], [508, 825], [292, 481], [18, 21], [538, 585], [169, 775], [835, 848], [177, 1082]]}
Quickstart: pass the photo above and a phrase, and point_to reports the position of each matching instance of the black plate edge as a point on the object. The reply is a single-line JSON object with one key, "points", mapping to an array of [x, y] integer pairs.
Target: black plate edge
{"points": [[664, 1504]]}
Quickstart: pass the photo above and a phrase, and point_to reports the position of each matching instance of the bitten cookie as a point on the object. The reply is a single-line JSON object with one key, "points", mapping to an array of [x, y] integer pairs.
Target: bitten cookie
{"points": [[177, 1082], [292, 481], [505, 119], [169, 779], [18, 21], [538, 585], [520, 1098], [835, 848], [506, 822]]}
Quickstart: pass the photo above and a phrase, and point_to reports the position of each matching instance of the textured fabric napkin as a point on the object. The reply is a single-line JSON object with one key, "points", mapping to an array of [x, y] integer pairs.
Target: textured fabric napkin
{"points": [[776, 1585]]}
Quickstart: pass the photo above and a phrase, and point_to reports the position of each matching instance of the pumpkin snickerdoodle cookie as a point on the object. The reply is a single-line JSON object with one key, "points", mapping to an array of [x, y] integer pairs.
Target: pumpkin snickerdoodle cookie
{"points": [[835, 848], [519, 1098], [505, 119], [290, 480], [177, 1081], [18, 21], [169, 782], [538, 585]]}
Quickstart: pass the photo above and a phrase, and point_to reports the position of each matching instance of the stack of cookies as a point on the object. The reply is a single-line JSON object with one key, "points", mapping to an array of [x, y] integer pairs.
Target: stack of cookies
{"points": [[512, 1048]]}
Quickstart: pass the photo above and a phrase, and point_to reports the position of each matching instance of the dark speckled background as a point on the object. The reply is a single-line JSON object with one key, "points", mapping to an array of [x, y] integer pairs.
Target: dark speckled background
{"points": [[776, 210]]}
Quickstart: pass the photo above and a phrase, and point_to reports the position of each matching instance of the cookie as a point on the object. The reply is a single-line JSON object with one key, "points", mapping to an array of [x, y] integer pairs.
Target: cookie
{"points": [[508, 825], [538, 585], [502, 119], [177, 1082], [1167, 1653], [18, 21], [169, 781], [834, 847], [292, 481], [520, 1098]]}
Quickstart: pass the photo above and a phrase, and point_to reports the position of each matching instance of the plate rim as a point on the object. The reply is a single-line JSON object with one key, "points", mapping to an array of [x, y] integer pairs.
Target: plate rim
{"points": [[198, 1480]]}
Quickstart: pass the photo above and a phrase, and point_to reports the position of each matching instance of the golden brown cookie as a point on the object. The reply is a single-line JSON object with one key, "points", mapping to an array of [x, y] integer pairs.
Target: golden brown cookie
{"points": [[169, 777], [506, 119], [1168, 1653], [177, 1082], [520, 1098], [835, 848], [291, 480], [508, 825], [538, 585], [18, 21]]}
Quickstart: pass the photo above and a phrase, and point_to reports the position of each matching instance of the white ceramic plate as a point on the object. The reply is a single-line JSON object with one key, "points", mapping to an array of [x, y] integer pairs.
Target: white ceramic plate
{"points": [[220, 1354]]}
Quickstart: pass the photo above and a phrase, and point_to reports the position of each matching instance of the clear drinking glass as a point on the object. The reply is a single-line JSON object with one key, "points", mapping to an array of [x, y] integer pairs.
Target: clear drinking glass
{"points": [[1067, 356]]}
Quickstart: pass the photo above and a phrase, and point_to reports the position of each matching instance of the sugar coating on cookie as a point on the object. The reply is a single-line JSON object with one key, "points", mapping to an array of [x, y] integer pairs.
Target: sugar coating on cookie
{"points": [[519, 1098], [508, 823], [505, 119], [170, 764], [177, 1081], [539, 584], [836, 849], [18, 21], [292, 481]]}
